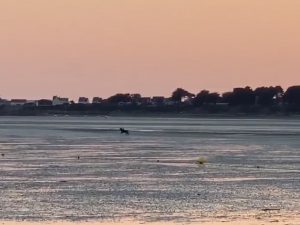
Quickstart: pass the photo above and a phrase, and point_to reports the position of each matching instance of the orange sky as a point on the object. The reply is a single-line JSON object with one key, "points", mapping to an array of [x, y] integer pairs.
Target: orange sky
{"points": [[100, 47]]}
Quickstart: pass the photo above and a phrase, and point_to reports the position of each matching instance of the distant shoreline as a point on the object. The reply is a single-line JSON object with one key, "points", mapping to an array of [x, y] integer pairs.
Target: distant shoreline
{"points": [[159, 115]]}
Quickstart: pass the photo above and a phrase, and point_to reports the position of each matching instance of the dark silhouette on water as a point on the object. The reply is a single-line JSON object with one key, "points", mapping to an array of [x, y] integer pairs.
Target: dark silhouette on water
{"points": [[123, 131]]}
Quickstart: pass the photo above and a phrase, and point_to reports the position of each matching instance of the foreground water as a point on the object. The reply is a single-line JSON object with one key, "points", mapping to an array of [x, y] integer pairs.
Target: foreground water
{"points": [[150, 175]]}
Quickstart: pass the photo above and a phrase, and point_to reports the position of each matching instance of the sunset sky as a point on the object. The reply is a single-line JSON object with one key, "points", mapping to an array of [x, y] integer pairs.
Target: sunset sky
{"points": [[101, 47]]}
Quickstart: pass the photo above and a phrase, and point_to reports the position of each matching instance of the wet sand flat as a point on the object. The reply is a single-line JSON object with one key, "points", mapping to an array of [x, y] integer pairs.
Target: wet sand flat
{"points": [[83, 169], [278, 220]]}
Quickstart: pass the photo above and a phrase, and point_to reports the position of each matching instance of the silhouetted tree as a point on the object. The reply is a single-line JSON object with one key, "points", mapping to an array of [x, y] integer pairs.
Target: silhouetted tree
{"points": [[227, 97], [206, 97], [179, 94], [117, 98], [213, 98], [292, 95], [200, 98], [268, 95], [279, 92], [242, 96]]}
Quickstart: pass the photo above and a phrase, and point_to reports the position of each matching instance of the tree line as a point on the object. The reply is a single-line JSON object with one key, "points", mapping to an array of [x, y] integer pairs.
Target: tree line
{"points": [[263, 96], [261, 100]]}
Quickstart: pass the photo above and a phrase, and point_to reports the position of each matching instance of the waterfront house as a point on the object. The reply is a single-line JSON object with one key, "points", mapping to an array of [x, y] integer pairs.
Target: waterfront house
{"points": [[18, 102], [44, 103], [31, 103], [97, 100], [83, 100], [60, 101]]}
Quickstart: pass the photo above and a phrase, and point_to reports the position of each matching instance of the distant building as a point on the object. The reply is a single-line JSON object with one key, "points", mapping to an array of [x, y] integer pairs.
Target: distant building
{"points": [[124, 103], [169, 101], [158, 100], [32, 103], [3, 102], [136, 98], [83, 100], [44, 102], [97, 100], [60, 101], [145, 100], [18, 102]]}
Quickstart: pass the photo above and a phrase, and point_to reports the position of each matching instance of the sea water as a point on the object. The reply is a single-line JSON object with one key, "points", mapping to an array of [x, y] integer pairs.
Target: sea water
{"points": [[82, 168]]}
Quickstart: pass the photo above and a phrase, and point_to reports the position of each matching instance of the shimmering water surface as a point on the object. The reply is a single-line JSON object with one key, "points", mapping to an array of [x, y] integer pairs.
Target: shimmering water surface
{"points": [[149, 175]]}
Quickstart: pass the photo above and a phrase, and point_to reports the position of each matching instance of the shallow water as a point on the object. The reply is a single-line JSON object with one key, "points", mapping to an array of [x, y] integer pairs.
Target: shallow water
{"points": [[150, 175]]}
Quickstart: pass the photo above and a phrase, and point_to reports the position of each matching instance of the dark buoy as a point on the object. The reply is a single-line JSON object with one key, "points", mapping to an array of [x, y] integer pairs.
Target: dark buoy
{"points": [[78, 157], [2, 154]]}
